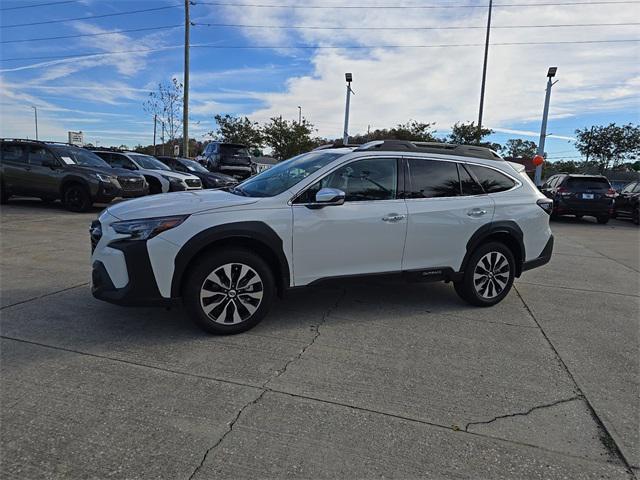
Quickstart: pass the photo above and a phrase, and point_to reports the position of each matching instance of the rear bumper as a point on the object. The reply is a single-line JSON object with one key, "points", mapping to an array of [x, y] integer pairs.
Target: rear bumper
{"points": [[595, 208], [543, 259], [141, 290]]}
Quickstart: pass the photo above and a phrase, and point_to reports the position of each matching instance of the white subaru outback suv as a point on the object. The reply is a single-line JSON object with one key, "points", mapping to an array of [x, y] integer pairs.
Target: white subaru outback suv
{"points": [[421, 210]]}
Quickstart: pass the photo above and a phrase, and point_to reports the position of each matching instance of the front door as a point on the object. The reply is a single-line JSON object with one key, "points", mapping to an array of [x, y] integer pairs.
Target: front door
{"points": [[364, 235], [45, 179]]}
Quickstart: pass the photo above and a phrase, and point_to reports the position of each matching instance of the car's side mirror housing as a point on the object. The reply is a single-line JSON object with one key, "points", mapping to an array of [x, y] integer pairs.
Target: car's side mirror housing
{"points": [[329, 196]]}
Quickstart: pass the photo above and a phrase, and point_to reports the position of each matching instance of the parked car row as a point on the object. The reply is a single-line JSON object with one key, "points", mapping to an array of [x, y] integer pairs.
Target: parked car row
{"points": [[80, 177], [591, 195]]}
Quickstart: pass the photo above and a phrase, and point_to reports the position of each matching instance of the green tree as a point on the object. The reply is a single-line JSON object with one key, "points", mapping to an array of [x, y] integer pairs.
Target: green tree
{"points": [[238, 130], [288, 139], [518, 148], [610, 145], [467, 134]]}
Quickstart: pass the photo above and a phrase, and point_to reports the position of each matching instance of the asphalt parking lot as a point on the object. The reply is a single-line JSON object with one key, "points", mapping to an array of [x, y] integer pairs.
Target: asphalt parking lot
{"points": [[358, 380]]}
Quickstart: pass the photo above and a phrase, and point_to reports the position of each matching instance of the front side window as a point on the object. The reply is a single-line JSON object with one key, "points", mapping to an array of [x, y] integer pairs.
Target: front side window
{"points": [[14, 153], [432, 179], [121, 161], [38, 155], [148, 162], [362, 180], [629, 188], [283, 176], [491, 180]]}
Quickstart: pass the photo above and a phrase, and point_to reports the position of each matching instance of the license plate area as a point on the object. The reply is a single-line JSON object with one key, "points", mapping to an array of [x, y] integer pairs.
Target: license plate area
{"points": [[588, 196]]}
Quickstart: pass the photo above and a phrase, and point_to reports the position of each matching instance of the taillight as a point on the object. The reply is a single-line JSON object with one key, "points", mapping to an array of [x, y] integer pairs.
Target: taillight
{"points": [[611, 193], [545, 204], [563, 192]]}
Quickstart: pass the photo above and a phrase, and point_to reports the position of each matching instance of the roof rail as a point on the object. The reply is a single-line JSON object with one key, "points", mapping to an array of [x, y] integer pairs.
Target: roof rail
{"points": [[431, 147], [31, 140], [336, 145]]}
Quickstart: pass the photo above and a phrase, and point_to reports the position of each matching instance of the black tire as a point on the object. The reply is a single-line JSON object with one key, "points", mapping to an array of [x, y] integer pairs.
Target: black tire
{"points": [[154, 186], [76, 198], [603, 220], [234, 309], [495, 287], [635, 215], [4, 196], [579, 217]]}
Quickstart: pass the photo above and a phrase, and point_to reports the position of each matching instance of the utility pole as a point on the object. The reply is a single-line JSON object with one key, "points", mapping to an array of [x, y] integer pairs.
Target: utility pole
{"points": [[543, 129], [345, 135], [484, 72], [155, 120], [35, 112], [185, 96], [299, 115]]}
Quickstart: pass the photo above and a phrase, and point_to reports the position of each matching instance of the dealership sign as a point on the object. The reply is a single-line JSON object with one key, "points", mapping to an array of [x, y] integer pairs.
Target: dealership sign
{"points": [[76, 138]]}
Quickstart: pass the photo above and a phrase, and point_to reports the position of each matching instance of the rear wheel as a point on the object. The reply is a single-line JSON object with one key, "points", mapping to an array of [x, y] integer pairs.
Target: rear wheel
{"points": [[4, 195], [229, 292], [488, 276], [635, 215], [604, 219], [76, 198], [579, 217]]}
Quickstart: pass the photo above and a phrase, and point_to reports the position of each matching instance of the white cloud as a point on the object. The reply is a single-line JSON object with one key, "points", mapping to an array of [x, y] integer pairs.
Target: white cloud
{"points": [[443, 84]]}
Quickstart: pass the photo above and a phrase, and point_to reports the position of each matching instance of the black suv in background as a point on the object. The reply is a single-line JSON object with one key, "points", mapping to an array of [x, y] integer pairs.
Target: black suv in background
{"points": [[580, 195], [229, 158], [627, 203], [209, 179], [51, 171]]}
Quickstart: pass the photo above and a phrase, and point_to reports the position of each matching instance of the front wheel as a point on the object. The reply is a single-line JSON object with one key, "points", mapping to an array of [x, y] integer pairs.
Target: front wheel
{"points": [[488, 276], [76, 198], [635, 215], [229, 292], [603, 220]]}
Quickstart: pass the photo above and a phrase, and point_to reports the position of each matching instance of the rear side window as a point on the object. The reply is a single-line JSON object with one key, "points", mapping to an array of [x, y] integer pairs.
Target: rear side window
{"points": [[491, 180], [588, 183], [432, 179], [468, 184], [14, 153], [629, 188], [121, 161], [637, 189], [106, 156]]}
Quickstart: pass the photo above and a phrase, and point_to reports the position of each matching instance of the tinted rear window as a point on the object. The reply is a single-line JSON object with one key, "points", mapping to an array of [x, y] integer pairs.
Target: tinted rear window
{"points": [[588, 183], [491, 180], [234, 150]]}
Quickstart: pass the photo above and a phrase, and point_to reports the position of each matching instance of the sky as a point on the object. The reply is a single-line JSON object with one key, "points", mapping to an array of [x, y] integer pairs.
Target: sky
{"points": [[408, 63]]}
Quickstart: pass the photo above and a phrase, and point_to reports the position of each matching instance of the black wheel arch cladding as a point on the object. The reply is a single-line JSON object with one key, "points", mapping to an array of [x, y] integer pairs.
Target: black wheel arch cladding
{"points": [[493, 231], [250, 231]]}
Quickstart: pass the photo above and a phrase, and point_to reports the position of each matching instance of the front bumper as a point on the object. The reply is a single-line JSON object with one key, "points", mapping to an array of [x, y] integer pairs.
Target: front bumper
{"points": [[543, 259], [141, 289]]}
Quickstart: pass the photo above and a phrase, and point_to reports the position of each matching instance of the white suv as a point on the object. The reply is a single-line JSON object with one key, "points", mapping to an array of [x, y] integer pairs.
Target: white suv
{"points": [[425, 211]]}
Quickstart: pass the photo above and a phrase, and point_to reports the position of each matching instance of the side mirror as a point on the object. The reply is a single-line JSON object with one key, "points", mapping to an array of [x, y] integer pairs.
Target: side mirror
{"points": [[330, 196]]}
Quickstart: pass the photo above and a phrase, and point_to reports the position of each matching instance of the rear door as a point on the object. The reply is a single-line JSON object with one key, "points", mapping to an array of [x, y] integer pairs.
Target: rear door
{"points": [[622, 201], [445, 207], [15, 167]]}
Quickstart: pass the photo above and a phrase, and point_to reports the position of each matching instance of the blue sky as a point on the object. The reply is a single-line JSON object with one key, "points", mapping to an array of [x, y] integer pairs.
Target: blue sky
{"points": [[103, 95]]}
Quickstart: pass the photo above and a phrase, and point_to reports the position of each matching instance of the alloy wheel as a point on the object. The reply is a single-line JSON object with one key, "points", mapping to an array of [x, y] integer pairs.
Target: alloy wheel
{"points": [[231, 293], [491, 275]]}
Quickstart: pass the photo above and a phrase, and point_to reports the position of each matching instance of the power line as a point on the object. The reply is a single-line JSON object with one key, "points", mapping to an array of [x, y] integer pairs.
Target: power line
{"points": [[313, 27], [405, 7], [311, 47], [90, 17], [39, 39], [38, 5]]}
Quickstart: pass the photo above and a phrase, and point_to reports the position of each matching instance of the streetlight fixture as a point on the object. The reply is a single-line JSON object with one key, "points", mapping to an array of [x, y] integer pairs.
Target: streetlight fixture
{"points": [[345, 136], [543, 129]]}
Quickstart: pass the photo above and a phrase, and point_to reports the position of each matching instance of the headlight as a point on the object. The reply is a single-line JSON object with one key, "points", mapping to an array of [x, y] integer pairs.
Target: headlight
{"points": [[106, 178], [147, 228], [174, 180]]}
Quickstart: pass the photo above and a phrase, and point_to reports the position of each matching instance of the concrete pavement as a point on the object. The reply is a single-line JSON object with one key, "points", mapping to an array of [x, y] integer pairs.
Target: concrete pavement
{"points": [[352, 380]]}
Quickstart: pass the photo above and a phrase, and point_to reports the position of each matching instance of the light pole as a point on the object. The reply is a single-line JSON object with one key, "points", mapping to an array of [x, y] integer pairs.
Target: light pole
{"points": [[185, 94], [35, 112], [345, 136], [299, 115], [484, 72], [543, 129]]}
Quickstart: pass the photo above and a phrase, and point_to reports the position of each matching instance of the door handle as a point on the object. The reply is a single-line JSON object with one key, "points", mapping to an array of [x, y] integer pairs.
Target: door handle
{"points": [[476, 212], [393, 217]]}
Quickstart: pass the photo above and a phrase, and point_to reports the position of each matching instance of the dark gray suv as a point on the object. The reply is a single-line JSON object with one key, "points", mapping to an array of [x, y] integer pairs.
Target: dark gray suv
{"points": [[52, 171]]}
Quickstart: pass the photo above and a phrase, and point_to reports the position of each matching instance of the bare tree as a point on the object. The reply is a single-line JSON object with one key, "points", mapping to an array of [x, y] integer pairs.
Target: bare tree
{"points": [[166, 105]]}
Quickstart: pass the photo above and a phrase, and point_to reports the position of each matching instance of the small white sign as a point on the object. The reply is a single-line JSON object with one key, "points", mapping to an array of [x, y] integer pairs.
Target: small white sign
{"points": [[176, 150], [68, 160], [76, 138]]}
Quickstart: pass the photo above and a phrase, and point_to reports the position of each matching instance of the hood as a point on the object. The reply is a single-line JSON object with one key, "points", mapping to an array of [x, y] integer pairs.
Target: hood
{"points": [[92, 169], [177, 203]]}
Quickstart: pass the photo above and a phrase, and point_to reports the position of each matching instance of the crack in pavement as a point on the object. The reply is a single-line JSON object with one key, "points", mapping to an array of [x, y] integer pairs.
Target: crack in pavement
{"points": [[524, 414], [45, 295], [606, 438], [265, 388]]}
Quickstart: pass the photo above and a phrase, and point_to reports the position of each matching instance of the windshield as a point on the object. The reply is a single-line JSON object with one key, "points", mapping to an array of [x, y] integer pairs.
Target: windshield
{"points": [[193, 166], [79, 156], [588, 183], [285, 175], [148, 162]]}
